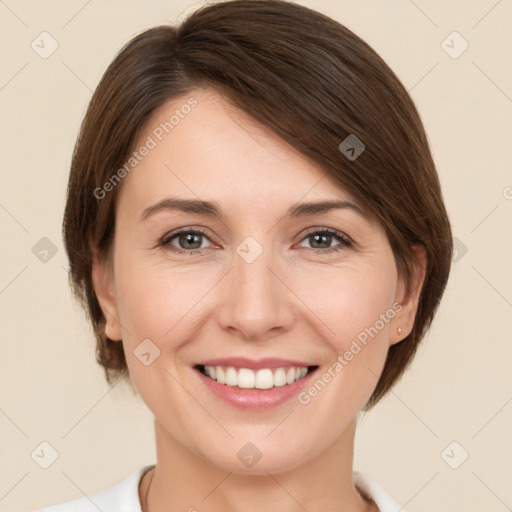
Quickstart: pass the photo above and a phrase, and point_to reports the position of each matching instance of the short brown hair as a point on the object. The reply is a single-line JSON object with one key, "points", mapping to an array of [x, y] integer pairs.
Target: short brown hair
{"points": [[310, 80]]}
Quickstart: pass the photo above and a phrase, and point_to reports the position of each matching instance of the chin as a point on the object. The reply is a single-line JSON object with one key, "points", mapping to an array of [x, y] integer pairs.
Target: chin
{"points": [[249, 460]]}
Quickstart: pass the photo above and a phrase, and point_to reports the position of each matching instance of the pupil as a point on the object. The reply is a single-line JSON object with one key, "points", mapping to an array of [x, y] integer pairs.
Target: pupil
{"points": [[320, 236], [188, 237]]}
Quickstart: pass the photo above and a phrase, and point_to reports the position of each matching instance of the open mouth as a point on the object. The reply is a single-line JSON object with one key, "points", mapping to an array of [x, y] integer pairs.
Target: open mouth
{"points": [[264, 378]]}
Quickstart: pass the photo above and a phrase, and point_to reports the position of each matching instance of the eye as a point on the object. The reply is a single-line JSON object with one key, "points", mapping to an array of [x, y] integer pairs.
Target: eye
{"points": [[189, 240], [324, 236]]}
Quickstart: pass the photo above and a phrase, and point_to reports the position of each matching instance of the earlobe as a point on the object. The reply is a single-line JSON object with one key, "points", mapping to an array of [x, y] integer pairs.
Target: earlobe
{"points": [[409, 298], [103, 284]]}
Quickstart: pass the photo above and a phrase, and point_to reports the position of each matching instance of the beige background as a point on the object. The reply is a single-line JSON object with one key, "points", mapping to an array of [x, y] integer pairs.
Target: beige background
{"points": [[459, 387]]}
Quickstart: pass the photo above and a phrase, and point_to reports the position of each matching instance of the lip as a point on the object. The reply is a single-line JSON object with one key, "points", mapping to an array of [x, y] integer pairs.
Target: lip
{"points": [[255, 399], [253, 364]]}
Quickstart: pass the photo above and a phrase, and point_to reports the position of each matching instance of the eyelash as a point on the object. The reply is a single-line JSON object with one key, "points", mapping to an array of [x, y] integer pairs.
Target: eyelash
{"points": [[344, 240]]}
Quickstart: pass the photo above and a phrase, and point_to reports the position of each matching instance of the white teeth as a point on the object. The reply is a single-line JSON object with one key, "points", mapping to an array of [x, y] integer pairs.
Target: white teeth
{"points": [[280, 377], [245, 379], [260, 379], [220, 374], [231, 377], [264, 379]]}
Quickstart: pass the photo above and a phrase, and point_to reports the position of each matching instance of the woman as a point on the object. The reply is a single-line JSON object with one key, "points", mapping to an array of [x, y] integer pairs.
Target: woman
{"points": [[255, 226]]}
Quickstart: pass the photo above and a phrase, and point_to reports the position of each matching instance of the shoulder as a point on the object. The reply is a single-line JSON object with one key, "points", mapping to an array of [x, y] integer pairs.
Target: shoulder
{"points": [[122, 497], [373, 490]]}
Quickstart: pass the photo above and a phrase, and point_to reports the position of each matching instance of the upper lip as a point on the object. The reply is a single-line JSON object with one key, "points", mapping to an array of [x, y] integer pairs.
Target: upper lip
{"points": [[253, 364]]}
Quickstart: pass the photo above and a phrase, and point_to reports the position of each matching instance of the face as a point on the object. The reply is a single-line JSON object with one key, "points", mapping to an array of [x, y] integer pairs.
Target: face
{"points": [[261, 289]]}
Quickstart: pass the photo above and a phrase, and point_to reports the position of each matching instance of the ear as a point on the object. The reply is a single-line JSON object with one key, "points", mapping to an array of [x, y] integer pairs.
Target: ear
{"points": [[408, 298], [104, 286]]}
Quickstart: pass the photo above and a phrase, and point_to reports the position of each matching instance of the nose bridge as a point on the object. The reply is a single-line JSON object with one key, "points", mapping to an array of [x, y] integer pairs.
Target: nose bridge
{"points": [[255, 300], [252, 263]]}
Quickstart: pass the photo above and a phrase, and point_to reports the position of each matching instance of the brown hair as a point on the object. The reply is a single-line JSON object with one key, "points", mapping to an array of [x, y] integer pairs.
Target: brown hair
{"points": [[310, 80]]}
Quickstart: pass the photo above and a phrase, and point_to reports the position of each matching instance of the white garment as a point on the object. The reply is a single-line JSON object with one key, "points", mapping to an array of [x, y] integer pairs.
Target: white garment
{"points": [[124, 496]]}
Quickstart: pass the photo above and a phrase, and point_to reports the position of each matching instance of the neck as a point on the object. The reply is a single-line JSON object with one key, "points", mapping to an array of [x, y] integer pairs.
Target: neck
{"points": [[182, 480]]}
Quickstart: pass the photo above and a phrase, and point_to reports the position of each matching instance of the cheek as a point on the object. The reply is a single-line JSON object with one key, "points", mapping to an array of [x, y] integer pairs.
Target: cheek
{"points": [[157, 304], [351, 300], [354, 308], [362, 307], [151, 305]]}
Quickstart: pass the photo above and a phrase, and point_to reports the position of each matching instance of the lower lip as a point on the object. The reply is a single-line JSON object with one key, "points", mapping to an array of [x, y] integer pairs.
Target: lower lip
{"points": [[255, 399]]}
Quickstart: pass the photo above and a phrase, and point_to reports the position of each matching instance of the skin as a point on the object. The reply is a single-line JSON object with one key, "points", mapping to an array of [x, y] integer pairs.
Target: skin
{"points": [[292, 302]]}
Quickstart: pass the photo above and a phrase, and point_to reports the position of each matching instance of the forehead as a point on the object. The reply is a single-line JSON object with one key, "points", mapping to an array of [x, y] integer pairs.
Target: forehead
{"points": [[200, 145]]}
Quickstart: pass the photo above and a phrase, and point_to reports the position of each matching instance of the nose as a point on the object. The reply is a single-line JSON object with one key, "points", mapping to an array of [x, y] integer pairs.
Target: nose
{"points": [[256, 302]]}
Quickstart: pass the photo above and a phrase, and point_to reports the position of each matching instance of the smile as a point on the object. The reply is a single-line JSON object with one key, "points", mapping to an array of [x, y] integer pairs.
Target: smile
{"points": [[264, 378]]}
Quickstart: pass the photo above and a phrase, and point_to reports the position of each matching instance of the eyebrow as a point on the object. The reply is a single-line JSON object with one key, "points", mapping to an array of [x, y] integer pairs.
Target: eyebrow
{"points": [[213, 209]]}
